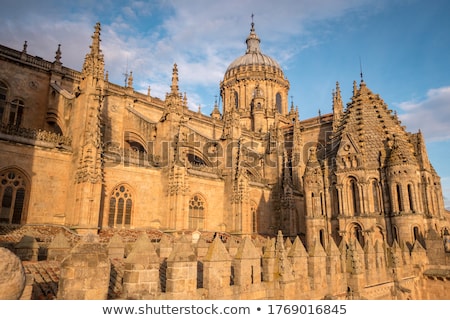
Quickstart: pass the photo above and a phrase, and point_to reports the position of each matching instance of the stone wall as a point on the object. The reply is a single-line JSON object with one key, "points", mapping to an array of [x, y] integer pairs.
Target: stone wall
{"points": [[201, 266]]}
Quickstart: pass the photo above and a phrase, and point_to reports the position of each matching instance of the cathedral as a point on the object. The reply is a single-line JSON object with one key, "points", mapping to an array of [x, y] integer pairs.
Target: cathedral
{"points": [[84, 153]]}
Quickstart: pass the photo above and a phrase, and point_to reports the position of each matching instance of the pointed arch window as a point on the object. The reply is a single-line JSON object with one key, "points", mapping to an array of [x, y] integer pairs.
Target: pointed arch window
{"points": [[120, 207], [197, 212], [13, 190]]}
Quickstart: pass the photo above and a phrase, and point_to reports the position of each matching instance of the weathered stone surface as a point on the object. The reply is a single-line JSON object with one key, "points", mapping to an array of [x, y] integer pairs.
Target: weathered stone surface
{"points": [[12, 275]]}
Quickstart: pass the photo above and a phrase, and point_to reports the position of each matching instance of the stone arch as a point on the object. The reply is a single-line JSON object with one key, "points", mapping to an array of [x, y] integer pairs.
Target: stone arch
{"points": [[196, 158], [197, 212], [353, 196], [121, 203], [14, 193], [135, 141], [375, 196], [354, 231], [379, 234]]}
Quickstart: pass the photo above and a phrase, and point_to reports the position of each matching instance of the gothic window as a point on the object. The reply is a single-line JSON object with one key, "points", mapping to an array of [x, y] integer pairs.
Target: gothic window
{"points": [[120, 207], [278, 103], [197, 213], [13, 189]]}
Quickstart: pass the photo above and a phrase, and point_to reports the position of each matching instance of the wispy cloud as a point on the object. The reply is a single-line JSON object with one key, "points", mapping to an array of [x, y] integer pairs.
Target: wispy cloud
{"points": [[431, 115], [201, 36]]}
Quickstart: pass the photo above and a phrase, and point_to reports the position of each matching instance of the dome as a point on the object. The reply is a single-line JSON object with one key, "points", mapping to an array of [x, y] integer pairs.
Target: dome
{"points": [[253, 55]]}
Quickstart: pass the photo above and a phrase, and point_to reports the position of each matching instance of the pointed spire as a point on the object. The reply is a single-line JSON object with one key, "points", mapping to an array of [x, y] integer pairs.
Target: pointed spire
{"points": [[25, 45], [130, 80], [174, 86], [94, 63], [338, 107], [58, 54], [95, 46], [253, 40]]}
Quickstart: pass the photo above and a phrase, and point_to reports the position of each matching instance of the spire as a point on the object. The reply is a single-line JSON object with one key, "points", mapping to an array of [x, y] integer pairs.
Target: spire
{"points": [[253, 40], [174, 86], [25, 45], [130, 80], [58, 54], [337, 106], [93, 62], [95, 46]]}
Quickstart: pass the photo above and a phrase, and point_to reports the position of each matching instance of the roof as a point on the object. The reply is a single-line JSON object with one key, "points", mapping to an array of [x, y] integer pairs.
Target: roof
{"points": [[253, 55]]}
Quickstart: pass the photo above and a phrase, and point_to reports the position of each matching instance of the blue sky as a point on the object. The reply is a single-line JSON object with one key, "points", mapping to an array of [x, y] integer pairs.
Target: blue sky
{"points": [[402, 47]]}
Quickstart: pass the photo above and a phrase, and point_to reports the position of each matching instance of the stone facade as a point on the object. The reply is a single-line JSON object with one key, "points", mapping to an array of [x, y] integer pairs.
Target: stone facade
{"points": [[81, 152]]}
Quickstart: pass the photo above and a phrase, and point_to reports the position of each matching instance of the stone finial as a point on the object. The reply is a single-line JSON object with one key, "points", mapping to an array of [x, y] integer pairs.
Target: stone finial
{"points": [[58, 54], [27, 248], [59, 248], [217, 251], [130, 80]]}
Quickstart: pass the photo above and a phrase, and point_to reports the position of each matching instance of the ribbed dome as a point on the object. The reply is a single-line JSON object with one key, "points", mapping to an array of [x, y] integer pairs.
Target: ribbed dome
{"points": [[253, 55]]}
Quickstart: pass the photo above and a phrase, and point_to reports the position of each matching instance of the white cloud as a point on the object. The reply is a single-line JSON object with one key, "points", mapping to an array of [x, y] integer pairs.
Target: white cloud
{"points": [[201, 36], [431, 115]]}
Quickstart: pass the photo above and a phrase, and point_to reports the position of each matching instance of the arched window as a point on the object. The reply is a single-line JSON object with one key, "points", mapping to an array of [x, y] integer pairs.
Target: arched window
{"points": [[411, 198], [335, 200], [13, 188], [356, 233], [322, 237], [416, 233], [120, 207], [197, 213], [236, 100], [399, 198], [278, 103], [354, 196], [395, 235], [322, 204]]}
